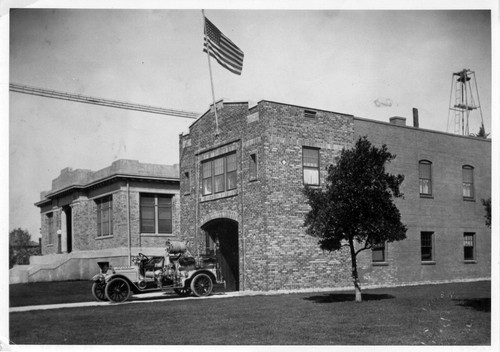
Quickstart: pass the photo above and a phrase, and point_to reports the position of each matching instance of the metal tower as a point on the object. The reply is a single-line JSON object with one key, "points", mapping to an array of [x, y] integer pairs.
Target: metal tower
{"points": [[463, 100]]}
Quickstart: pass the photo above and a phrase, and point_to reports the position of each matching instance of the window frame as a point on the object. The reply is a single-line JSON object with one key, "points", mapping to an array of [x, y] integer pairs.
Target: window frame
{"points": [[100, 211], [473, 241], [428, 163], [431, 246], [228, 176], [156, 213], [471, 184], [379, 247], [311, 168]]}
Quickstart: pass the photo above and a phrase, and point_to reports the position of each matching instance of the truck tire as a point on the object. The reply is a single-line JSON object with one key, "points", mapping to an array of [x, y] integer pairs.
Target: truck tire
{"points": [[202, 285], [98, 291], [117, 290]]}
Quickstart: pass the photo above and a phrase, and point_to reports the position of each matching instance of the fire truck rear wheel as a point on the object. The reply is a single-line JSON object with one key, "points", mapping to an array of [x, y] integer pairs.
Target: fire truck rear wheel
{"points": [[202, 285]]}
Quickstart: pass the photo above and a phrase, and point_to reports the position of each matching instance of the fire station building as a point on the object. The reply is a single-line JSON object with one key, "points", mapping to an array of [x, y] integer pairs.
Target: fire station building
{"points": [[241, 181]]}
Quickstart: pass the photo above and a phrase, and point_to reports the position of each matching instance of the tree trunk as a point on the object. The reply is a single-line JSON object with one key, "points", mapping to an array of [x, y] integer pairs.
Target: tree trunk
{"points": [[355, 279]]}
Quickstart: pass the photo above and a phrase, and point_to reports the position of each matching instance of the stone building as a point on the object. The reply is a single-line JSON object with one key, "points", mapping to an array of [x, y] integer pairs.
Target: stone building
{"points": [[241, 181], [110, 214]]}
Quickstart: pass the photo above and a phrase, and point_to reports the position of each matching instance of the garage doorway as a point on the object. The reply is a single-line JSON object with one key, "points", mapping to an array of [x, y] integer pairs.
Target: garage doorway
{"points": [[224, 232]]}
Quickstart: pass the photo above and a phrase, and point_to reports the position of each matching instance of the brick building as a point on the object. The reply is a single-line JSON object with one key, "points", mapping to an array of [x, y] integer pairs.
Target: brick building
{"points": [[123, 209], [241, 189]]}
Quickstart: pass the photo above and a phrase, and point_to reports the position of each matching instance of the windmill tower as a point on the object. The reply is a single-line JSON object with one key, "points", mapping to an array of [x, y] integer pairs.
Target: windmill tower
{"points": [[464, 100]]}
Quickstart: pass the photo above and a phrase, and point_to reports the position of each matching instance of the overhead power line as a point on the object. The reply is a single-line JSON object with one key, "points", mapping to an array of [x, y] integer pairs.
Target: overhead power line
{"points": [[99, 101]]}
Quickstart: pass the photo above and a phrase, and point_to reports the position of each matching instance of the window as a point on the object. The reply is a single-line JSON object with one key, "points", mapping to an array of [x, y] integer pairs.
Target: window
{"points": [[469, 240], [219, 175], [156, 213], [187, 182], [253, 166], [310, 165], [104, 216], [378, 253], [426, 239], [468, 182], [51, 228], [310, 114], [425, 177]]}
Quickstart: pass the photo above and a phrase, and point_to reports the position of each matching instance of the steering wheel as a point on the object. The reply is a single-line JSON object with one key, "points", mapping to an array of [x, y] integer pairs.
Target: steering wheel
{"points": [[142, 257]]}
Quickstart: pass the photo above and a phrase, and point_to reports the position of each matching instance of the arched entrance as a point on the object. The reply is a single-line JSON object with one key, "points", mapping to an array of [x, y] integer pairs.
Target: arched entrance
{"points": [[224, 232]]}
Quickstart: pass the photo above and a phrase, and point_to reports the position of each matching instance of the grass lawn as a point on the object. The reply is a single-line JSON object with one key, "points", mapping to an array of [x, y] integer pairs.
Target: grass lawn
{"points": [[448, 314], [55, 292]]}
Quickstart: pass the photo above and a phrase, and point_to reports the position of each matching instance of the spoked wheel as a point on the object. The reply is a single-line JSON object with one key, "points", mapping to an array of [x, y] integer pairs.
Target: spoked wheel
{"points": [[117, 290], [98, 291], [183, 292], [202, 285]]}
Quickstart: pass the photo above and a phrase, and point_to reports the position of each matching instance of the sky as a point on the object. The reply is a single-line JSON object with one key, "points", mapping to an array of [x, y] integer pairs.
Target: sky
{"points": [[369, 63]]}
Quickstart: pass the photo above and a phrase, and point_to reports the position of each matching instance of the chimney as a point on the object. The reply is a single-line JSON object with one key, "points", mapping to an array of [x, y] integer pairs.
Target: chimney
{"points": [[398, 120], [415, 117]]}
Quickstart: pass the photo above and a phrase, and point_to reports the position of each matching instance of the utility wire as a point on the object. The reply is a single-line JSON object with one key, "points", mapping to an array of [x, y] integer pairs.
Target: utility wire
{"points": [[99, 101]]}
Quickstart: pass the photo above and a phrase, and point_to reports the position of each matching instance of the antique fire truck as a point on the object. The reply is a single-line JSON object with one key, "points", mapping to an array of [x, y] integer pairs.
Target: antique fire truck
{"points": [[177, 270]]}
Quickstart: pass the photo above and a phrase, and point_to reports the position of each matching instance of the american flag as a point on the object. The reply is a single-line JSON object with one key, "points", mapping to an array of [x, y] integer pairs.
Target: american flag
{"points": [[222, 49]]}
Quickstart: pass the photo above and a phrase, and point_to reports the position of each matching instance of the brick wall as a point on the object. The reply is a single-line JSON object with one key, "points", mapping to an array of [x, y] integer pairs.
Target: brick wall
{"points": [[274, 252], [446, 214], [84, 217]]}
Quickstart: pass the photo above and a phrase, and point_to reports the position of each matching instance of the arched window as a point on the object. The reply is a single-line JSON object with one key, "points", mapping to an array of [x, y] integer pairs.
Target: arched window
{"points": [[468, 182], [425, 177]]}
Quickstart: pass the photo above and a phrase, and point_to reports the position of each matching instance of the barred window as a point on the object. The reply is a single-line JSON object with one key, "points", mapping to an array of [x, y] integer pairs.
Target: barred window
{"points": [[469, 242], [156, 213], [310, 166], [219, 175], [104, 216], [468, 182], [425, 177]]}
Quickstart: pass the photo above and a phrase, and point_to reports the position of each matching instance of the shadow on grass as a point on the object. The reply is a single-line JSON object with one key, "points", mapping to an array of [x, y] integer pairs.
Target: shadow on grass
{"points": [[479, 304], [347, 297]]}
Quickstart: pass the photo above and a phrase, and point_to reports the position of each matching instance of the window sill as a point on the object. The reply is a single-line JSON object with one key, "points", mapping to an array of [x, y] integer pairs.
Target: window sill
{"points": [[470, 261], [430, 262], [104, 237], [380, 264], [428, 196], [253, 180], [187, 193], [226, 194], [50, 245], [157, 235], [469, 199]]}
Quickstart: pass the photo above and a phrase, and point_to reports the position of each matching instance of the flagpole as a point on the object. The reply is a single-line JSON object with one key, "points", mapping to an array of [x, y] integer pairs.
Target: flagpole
{"points": [[211, 80]]}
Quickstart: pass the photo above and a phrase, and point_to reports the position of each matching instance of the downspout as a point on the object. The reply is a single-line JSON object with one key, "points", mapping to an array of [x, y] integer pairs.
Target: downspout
{"points": [[128, 226], [242, 219], [197, 204]]}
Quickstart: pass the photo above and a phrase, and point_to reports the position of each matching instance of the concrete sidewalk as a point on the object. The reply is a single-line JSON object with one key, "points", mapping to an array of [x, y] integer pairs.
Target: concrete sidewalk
{"points": [[142, 298]]}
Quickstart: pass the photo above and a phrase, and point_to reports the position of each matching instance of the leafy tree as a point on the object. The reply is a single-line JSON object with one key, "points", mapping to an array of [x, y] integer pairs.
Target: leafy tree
{"points": [[356, 208], [487, 208], [21, 247]]}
